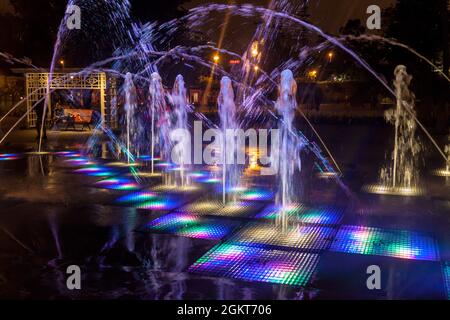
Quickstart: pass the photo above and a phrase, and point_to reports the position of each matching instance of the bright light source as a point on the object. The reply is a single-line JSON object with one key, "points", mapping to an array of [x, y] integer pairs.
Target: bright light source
{"points": [[256, 68], [255, 51], [312, 74], [216, 58]]}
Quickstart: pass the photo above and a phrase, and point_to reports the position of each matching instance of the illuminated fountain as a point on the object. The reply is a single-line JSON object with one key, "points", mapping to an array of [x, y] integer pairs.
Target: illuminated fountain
{"points": [[227, 113], [130, 109], [290, 146], [160, 120], [181, 152], [401, 176]]}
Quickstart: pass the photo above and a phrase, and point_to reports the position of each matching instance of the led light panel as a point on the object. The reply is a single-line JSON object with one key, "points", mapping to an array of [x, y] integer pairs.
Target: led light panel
{"points": [[118, 184], [137, 198], [216, 208], [96, 171], [191, 226], [257, 264], [390, 243], [256, 194], [385, 190], [304, 214], [298, 237], [9, 156]]}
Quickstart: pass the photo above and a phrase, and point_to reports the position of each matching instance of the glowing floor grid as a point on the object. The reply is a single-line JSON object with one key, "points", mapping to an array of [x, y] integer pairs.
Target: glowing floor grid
{"points": [[259, 251], [192, 226], [295, 237], [390, 243], [303, 214], [257, 264]]}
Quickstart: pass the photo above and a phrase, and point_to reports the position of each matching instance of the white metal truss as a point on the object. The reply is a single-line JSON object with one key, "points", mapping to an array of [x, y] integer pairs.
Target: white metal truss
{"points": [[39, 87]]}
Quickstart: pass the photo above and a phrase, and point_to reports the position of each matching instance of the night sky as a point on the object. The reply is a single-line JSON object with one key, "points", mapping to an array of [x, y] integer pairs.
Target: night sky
{"points": [[329, 15]]}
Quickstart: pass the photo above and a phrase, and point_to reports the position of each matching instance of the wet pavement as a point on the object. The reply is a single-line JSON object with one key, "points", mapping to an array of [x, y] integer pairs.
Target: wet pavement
{"points": [[135, 241]]}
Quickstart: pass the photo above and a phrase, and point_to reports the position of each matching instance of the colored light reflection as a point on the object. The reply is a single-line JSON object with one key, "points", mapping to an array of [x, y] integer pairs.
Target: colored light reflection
{"points": [[141, 174], [210, 180], [118, 184], [37, 153], [95, 171], [257, 265], [79, 161], [256, 194], [216, 208], [148, 158], [173, 188], [385, 190], [9, 156], [198, 175], [299, 237], [442, 172], [67, 154], [123, 164], [165, 165], [137, 197], [390, 243], [304, 214]]}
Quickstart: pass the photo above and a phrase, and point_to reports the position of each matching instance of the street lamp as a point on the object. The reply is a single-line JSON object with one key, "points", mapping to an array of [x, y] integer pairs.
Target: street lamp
{"points": [[216, 58], [330, 56]]}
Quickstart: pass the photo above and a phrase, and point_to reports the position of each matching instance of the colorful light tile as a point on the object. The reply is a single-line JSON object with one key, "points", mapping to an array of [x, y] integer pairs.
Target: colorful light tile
{"points": [[210, 180], [216, 208], [147, 158], [192, 226], [298, 237], [96, 171], [305, 214], [390, 191], [210, 231], [173, 222], [79, 161], [118, 184], [123, 164], [256, 194], [9, 156], [390, 243], [67, 154], [257, 265], [137, 198], [198, 175]]}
